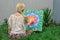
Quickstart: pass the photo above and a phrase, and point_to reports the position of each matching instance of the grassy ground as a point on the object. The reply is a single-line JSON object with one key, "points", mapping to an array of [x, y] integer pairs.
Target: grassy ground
{"points": [[48, 33]]}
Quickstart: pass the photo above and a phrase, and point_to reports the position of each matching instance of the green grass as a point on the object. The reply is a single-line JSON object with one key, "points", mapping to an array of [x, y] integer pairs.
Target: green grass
{"points": [[48, 33]]}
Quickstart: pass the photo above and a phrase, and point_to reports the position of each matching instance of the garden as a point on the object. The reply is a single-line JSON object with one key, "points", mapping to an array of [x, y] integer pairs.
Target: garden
{"points": [[50, 31]]}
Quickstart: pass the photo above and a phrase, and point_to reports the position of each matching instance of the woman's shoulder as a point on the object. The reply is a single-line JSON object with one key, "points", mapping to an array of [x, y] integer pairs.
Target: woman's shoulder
{"points": [[12, 15]]}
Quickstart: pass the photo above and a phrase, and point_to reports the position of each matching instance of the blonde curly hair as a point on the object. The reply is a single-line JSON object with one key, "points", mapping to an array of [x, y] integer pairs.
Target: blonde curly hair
{"points": [[20, 7]]}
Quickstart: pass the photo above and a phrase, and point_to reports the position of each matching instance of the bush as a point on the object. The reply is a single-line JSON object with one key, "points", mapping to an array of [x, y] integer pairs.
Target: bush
{"points": [[47, 17], [5, 21]]}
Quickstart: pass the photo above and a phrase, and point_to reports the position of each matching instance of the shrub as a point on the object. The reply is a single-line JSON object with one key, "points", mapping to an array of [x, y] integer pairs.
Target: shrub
{"points": [[5, 21], [47, 17]]}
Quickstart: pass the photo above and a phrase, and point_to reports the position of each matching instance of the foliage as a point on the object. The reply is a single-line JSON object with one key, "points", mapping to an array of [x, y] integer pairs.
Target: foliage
{"points": [[47, 17], [48, 33], [5, 21]]}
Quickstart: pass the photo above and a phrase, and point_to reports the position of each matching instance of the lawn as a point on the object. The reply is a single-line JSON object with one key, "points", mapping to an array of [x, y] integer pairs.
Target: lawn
{"points": [[48, 33]]}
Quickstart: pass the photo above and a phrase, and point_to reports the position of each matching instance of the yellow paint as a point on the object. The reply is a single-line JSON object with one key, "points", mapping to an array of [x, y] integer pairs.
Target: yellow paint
{"points": [[31, 19]]}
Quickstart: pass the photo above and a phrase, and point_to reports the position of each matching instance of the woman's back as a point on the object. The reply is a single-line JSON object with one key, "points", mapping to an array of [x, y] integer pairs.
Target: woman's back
{"points": [[17, 24]]}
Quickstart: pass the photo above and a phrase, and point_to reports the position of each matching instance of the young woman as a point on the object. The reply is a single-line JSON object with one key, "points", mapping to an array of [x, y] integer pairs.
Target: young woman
{"points": [[17, 23]]}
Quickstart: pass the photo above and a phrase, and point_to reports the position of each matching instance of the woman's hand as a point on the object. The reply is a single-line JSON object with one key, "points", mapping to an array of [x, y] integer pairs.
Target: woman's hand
{"points": [[30, 22]]}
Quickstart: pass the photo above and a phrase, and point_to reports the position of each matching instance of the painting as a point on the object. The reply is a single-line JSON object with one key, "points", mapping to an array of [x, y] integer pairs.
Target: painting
{"points": [[37, 18]]}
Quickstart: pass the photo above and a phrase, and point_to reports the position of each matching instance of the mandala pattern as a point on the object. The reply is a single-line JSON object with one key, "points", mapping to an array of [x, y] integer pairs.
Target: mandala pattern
{"points": [[37, 18], [33, 17]]}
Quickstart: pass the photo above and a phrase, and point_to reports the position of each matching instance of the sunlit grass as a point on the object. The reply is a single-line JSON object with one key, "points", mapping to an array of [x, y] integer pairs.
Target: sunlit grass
{"points": [[48, 33]]}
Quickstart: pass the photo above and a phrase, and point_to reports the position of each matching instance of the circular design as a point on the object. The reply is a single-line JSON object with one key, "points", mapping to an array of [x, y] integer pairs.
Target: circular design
{"points": [[34, 18]]}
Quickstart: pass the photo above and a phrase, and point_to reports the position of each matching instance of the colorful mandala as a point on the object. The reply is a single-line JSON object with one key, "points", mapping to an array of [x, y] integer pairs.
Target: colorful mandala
{"points": [[33, 17], [37, 19]]}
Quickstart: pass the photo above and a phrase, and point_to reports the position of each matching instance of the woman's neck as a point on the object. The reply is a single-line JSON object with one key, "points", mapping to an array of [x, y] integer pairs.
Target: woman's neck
{"points": [[18, 13]]}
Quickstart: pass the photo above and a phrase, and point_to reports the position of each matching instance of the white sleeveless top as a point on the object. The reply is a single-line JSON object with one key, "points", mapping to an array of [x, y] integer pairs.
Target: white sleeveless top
{"points": [[17, 24]]}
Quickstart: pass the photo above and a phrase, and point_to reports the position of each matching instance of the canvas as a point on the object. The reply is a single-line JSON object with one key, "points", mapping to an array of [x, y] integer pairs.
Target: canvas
{"points": [[37, 18]]}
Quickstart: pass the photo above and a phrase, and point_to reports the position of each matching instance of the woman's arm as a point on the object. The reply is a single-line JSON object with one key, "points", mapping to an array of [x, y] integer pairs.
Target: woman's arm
{"points": [[26, 20], [9, 24], [9, 29]]}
